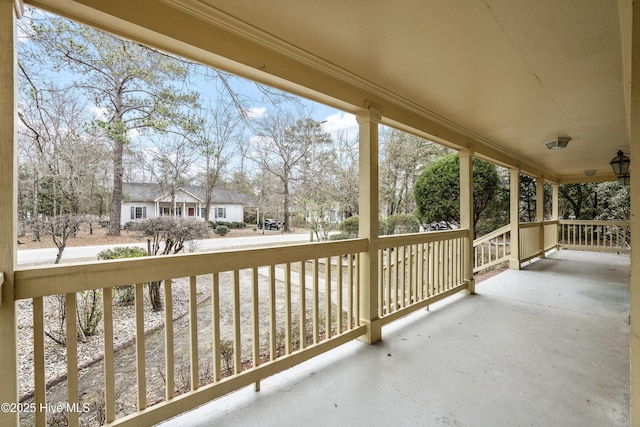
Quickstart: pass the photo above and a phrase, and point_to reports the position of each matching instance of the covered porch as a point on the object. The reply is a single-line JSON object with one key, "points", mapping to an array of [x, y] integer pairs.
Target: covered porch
{"points": [[546, 345], [539, 338]]}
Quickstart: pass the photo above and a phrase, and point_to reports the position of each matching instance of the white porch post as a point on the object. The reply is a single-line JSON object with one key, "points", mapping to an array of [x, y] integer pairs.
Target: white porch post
{"points": [[8, 208], [466, 214], [555, 203], [555, 209], [514, 217], [635, 218], [368, 158], [540, 212]]}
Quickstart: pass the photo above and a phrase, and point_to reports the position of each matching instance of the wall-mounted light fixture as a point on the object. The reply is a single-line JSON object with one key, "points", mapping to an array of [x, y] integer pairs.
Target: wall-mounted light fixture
{"points": [[558, 143], [620, 165], [624, 179]]}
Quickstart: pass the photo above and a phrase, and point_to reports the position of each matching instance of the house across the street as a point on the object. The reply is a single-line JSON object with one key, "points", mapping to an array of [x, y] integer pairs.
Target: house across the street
{"points": [[145, 200]]}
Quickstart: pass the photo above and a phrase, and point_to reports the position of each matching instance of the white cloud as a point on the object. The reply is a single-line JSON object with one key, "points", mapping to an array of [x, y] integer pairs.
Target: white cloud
{"points": [[260, 142], [99, 112], [256, 112], [341, 122]]}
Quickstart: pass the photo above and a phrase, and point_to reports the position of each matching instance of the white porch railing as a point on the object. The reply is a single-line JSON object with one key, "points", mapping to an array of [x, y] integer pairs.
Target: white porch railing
{"points": [[492, 249], [318, 287], [416, 270], [495, 248], [550, 235], [285, 304], [531, 245], [602, 236]]}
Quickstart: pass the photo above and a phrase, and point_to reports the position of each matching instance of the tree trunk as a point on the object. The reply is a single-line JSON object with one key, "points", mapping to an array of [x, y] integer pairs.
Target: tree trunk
{"points": [[285, 224], [154, 296], [210, 183], [60, 251], [116, 202]]}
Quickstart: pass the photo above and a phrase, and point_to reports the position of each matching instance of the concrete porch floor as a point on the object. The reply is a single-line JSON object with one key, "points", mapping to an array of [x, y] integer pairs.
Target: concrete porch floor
{"points": [[544, 346]]}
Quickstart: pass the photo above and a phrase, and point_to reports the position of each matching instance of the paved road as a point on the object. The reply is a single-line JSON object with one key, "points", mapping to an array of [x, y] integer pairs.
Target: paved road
{"points": [[76, 253]]}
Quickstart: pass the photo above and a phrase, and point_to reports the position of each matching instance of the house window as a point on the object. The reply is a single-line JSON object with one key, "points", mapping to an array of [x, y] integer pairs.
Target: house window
{"points": [[203, 212], [138, 212], [221, 212], [165, 211]]}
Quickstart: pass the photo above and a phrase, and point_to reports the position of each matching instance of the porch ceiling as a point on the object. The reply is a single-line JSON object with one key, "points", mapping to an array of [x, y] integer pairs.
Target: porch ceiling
{"points": [[515, 72], [505, 74]]}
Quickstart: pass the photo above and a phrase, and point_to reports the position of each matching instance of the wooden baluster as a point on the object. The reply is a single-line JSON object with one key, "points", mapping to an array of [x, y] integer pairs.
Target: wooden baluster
{"points": [[109, 366], [193, 333], [40, 390], [140, 352], [237, 338], [168, 341], [72, 358]]}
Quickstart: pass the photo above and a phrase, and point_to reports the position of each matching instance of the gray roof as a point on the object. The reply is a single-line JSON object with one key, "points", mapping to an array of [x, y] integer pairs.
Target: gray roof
{"points": [[147, 192]]}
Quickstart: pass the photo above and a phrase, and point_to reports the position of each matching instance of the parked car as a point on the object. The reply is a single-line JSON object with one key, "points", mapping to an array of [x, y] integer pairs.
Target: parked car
{"points": [[437, 226], [270, 224]]}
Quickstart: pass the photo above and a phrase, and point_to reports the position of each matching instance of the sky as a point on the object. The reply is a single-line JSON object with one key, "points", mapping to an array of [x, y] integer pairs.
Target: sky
{"points": [[332, 120]]}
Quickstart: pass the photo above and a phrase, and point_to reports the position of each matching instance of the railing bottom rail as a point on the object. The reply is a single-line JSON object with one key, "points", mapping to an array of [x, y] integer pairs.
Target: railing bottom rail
{"points": [[391, 317], [205, 394]]}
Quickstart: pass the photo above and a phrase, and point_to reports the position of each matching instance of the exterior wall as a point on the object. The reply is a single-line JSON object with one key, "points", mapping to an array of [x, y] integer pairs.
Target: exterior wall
{"points": [[332, 216], [187, 210], [233, 213], [125, 216], [180, 197]]}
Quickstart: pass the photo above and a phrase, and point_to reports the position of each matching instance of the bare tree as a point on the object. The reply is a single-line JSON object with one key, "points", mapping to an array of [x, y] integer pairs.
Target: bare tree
{"points": [[345, 173], [64, 168], [285, 149], [172, 159], [134, 87], [88, 303], [61, 228], [404, 156], [165, 236], [316, 196], [216, 140]]}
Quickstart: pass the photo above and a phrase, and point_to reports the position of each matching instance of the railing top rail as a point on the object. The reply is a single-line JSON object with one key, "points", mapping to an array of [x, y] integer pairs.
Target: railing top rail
{"points": [[551, 222], [495, 233], [530, 224], [36, 281], [593, 222], [385, 242]]}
